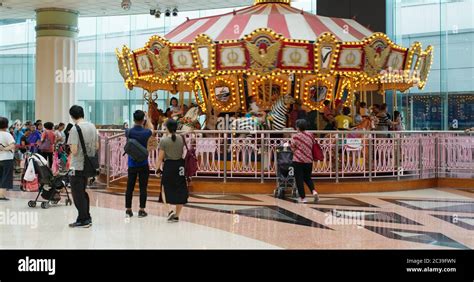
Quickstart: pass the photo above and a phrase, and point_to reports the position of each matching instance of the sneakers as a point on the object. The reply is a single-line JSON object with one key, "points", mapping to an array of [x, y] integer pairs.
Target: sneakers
{"points": [[81, 224], [128, 213], [4, 199], [172, 217], [316, 196], [142, 213], [302, 200]]}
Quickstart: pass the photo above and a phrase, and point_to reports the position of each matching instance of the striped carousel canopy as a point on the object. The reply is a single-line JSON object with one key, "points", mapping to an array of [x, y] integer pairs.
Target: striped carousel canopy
{"points": [[279, 16]]}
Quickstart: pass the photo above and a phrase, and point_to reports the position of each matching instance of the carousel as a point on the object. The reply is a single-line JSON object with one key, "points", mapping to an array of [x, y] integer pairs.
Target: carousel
{"points": [[271, 55]]}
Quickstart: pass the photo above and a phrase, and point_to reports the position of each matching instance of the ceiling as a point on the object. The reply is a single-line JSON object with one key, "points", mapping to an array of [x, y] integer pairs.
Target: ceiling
{"points": [[25, 9]]}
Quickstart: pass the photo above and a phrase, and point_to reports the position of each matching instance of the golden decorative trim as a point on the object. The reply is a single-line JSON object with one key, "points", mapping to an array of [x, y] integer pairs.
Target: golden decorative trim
{"points": [[287, 2]]}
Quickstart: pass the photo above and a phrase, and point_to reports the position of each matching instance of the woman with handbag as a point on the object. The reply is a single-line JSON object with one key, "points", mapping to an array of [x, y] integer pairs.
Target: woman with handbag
{"points": [[173, 176], [302, 145]]}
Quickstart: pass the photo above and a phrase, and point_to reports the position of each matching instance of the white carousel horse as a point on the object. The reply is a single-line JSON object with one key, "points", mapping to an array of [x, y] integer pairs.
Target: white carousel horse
{"points": [[190, 120]]}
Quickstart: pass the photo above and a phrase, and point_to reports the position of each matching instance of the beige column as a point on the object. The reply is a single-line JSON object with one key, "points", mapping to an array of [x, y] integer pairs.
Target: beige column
{"points": [[56, 57]]}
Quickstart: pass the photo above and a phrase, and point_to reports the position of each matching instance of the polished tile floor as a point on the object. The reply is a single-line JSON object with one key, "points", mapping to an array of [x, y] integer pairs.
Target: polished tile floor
{"points": [[422, 219]]}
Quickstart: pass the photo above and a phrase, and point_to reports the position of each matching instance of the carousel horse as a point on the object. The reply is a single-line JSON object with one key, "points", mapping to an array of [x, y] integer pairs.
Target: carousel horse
{"points": [[190, 121], [156, 115], [274, 120], [210, 123]]}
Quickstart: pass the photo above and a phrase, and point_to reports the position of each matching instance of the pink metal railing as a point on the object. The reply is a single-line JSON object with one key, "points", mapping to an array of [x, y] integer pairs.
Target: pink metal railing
{"points": [[226, 154]]}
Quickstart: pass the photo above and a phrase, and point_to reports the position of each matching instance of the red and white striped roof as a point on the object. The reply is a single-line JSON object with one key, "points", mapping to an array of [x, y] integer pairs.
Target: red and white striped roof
{"points": [[281, 18]]}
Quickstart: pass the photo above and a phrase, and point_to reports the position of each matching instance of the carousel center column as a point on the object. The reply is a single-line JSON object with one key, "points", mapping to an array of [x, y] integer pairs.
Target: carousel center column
{"points": [[56, 56]]}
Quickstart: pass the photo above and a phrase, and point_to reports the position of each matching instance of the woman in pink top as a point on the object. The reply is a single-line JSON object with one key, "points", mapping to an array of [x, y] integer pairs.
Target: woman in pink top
{"points": [[302, 146], [48, 139]]}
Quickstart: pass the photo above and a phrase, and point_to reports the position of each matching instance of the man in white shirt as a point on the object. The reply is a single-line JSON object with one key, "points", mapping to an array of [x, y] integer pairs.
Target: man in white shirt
{"points": [[7, 149]]}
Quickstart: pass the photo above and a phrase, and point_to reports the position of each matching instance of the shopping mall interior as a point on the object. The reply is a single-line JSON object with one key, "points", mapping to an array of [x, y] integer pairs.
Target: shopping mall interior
{"points": [[406, 185]]}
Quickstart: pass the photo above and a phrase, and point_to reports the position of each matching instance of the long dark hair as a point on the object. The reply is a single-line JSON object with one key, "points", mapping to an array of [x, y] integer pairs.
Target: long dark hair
{"points": [[396, 114], [172, 126], [66, 131], [171, 101]]}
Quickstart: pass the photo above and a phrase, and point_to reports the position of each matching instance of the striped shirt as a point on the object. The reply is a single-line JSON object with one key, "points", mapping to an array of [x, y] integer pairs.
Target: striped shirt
{"points": [[302, 146], [383, 122]]}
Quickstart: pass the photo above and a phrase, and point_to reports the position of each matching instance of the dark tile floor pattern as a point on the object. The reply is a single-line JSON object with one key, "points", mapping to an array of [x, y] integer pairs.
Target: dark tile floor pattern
{"points": [[456, 220], [262, 212], [224, 197], [423, 237], [335, 201], [431, 205]]}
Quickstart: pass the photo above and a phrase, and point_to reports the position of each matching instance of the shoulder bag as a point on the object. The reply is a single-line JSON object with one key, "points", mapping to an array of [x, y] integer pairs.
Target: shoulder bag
{"points": [[91, 164]]}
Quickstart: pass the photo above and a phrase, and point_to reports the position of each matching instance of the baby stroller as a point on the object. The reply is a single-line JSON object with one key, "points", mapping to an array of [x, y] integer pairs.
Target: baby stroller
{"points": [[50, 186], [285, 177]]}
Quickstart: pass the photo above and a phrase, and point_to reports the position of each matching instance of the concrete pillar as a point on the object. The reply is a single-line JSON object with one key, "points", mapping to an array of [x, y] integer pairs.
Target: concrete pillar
{"points": [[56, 56]]}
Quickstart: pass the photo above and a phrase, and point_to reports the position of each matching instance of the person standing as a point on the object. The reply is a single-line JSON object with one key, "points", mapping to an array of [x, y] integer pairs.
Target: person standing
{"points": [[7, 149], [79, 179], [302, 147], [173, 180], [24, 144], [48, 139], [138, 169], [35, 137], [59, 134], [17, 131]]}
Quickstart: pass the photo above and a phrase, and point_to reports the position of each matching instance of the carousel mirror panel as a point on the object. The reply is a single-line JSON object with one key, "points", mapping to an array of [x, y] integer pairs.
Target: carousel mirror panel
{"points": [[315, 90], [223, 93]]}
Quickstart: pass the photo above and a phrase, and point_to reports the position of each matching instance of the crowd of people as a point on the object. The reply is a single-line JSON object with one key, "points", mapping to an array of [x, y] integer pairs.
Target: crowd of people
{"points": [[82, 142], [336, 116], [340, 117], [38, 137]]}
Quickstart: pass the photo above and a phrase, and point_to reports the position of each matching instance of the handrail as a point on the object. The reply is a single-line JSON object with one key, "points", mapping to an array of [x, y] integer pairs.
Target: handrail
{"points": [[314, 131], [225, 154]]}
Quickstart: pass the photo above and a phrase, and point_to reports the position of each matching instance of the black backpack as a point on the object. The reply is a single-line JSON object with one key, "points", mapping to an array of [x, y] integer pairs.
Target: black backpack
{"points": [[134, 149]]}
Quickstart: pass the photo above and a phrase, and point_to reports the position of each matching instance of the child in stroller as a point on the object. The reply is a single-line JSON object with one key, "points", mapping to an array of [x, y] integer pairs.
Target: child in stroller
{"points": [[285, 176], [50, 186]]}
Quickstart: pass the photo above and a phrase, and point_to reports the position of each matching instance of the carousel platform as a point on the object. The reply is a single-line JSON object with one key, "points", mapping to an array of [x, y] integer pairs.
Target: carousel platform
{"points": [[242, 186]]}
